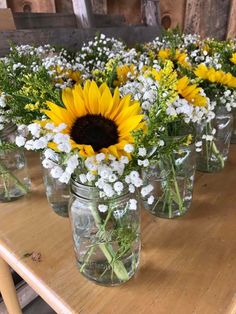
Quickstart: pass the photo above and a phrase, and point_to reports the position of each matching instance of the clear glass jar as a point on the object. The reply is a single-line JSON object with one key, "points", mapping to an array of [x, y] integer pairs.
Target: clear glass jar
{"points": [[233, 137], [215, 136], [58, 194], [14, 178], [107, 242], [172, 178]]}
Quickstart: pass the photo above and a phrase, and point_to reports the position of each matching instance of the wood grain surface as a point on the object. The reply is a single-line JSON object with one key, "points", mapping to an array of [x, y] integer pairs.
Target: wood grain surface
{"points": [[187, 264], [207, 18]]}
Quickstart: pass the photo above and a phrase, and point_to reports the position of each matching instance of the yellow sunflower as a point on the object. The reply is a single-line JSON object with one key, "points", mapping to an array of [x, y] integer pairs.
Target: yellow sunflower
{"points": [[191, 92], [214, 76], [97, 121], [63, 75], [233, 59], [177, 55], [122, 73]]}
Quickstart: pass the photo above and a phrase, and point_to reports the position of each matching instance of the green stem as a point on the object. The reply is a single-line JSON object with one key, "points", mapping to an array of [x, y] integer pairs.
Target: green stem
{"points": [[107, 249], [4, 171]]}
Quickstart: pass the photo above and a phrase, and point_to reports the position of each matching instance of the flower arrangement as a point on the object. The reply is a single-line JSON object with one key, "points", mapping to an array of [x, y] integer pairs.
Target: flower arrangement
{"points": [[118, 123]]}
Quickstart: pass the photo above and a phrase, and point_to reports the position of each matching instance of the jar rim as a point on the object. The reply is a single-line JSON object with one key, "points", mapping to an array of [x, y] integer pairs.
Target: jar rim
{"points": [[84, 191]]}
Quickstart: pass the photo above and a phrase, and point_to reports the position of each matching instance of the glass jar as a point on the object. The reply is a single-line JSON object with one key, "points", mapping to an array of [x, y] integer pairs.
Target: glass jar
{"points": [[215, 136], [106, 234], [172, 178], [233, 137], [14, 179], [57, 193]]}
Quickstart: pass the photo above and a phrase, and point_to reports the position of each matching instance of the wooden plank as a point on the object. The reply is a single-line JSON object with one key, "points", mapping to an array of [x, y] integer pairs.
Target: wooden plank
{"points": [[99, 6], [6, 20], [231, 31], [151, 12], [3, 4], [172, 13], [130, 11], [74, 38], [44, 20], [83, 12], [207, 18], [43, 6], [187, 264]]}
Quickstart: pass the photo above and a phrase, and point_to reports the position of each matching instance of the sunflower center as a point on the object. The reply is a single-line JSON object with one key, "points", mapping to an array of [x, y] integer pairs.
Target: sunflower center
{"points": [[95, 130]]}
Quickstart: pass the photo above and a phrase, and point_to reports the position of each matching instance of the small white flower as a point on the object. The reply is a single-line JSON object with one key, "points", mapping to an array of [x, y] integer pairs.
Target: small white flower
{"points": [[129, 148], [118, 187], [34, 128], [100, 157], [146, 163], [198, 144], [48, 164], [108, 190], [161, 143], [132, 204], [49, 126], [146, 190], [131, 188], [56, 172], [90, 177], [124, 160], [20, 141], [65, 178], [102, 208], [72, 162], [142, 151], [49, 153], [83, 178], [150, 200], [64, 147], [140, 162], [60, 128], [112, 178]]}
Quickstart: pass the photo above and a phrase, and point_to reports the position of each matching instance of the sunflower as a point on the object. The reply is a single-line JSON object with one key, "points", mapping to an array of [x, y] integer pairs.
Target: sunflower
{"points": [[97, 121], [122, 73], [175, 56], [214, 76], [191, 92], [233, 59], [63, 75]]}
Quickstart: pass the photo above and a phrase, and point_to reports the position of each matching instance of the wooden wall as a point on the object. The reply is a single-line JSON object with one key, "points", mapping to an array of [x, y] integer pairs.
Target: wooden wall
{"points": [[209, 18]]}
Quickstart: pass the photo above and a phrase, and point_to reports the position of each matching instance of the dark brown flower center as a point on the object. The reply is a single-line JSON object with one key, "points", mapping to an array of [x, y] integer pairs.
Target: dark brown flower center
{"points": [[95, 130]]}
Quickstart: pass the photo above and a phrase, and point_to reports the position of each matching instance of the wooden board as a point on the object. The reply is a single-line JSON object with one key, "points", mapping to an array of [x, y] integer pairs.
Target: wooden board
{"points": [[131, 12], [207, 18], [6, 20], [187, 264], [231, 31], [172, 13]]}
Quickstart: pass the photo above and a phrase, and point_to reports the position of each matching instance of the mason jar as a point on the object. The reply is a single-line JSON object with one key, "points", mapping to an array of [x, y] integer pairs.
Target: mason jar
{"points": [[172, 178], [14, 178], [215, 136], [57, 193], [106, 234]]}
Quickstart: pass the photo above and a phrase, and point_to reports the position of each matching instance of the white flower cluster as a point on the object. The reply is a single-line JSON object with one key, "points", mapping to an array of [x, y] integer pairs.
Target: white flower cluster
{"points": [[108, 174], [190, 112], [144, 89], [228, 99], [96, 53]]}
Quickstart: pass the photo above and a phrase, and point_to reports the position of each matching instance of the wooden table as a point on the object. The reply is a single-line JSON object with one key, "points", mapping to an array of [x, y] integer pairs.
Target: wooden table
{"points": [[188, 265]]}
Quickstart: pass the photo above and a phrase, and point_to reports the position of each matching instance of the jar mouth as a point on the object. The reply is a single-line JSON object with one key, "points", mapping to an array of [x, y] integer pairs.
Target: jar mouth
{"points": [[88, 191]]}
